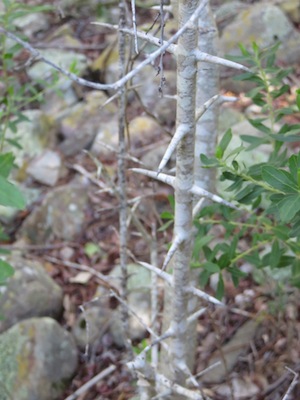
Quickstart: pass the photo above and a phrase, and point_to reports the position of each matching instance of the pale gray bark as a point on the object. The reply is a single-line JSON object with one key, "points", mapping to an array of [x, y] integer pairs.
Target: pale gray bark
{"points": [[185, 116], [207, 87]]}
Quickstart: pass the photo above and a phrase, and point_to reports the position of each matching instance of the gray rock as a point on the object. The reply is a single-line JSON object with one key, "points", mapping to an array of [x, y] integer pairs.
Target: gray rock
{"points": [[46, 168], [81, 126], [264, 24], [230, 352], [37, 358], [64, 59], [139, 298], [30, 292], [228, 117], [227, 12], [261, 23], [91, 325], [61, 215], [33, 23], [33, 136]]}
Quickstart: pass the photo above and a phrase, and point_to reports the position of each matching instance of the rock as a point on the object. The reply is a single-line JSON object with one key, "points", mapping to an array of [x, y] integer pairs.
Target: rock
{"points": [[139, 297], [63, 58], [46, 168], [106, 139], [33, 23], [152, 158], [261, 23], [30, 292], [241, 388], [227, 12], [228, 117], [291, 8], [230, 352], [143, 130], [33, 136], [37, 358], [80, 127], [264, 24], [91, 325], [61, 215]]}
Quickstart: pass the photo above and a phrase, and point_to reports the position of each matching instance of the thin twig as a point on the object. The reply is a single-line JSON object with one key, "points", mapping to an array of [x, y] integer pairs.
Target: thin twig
{"points": [[92, 382]]}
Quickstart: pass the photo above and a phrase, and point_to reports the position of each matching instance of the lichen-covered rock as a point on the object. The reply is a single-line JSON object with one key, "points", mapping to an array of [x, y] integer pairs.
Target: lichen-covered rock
{"points": [[81, 125], [264, 24], [261, 23], [30, 292], [33, 134], [38, 357], [61, 215]]}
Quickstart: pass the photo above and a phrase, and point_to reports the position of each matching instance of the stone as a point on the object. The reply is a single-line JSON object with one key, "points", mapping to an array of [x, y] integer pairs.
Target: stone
{"points": [[81, 126], [139, 298], [38, 358], [264, 24], [230, 351], [63, 58], [33, 135], [291, 8], [61, 215], [227, 12], [33, 23], [228, 117], [30, 292], [91, 325], [46, 168], [261, 23]]}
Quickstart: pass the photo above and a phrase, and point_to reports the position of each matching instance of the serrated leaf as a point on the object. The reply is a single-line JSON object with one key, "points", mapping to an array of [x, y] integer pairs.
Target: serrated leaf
{"points": [[279, 179], [10, 195]]}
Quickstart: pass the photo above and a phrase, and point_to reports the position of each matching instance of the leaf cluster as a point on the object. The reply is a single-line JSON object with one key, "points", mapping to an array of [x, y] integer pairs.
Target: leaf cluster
{"points": [[267, 193]]}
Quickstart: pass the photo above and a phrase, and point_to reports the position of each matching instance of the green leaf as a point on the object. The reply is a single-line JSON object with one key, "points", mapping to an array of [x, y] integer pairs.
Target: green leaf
{"points": [[275, 254], [6, 271], [220, 288], [165, 226], [288, 207], [166, 215], [90, 249], [294, 166], [208, 162], [298, 98], [257, 123], [211, 267], [222, 146], [199, 243], [10, 195], [279, 179], [6, 164], [279, 92]]}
